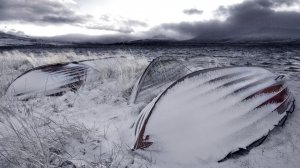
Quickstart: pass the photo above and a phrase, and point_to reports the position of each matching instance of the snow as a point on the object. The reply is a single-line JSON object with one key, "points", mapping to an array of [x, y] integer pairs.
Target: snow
{"points": [[101, 108], [40, 82]]}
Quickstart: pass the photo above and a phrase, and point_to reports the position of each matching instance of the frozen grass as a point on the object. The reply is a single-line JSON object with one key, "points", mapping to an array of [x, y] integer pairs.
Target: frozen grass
{"points": [[39, 141], [31, 141], [83, 129], [12, 64], [92, 127]]}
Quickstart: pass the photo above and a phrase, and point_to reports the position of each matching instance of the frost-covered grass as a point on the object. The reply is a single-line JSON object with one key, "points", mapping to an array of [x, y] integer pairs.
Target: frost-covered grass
{"points": [[32, 139], [36, 141], [93, 127], [89, 128]]}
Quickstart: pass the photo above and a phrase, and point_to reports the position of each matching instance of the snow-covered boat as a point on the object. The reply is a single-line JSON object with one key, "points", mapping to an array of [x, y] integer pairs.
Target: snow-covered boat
{"points": [[214, 113], [49, 80], [57, 79], [159, 74]]}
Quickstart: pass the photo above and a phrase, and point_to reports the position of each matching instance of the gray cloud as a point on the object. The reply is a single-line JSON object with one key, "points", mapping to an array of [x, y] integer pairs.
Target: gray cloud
{"points": [[134, 23], [192, 11], [123, 29], [41, 12], [249, 19], [121, 25]]}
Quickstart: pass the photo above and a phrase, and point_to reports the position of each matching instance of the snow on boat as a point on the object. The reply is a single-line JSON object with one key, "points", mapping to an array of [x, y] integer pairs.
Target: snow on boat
{"points": [[159, 74], [57, 79], [214, 113], [49, 80]]}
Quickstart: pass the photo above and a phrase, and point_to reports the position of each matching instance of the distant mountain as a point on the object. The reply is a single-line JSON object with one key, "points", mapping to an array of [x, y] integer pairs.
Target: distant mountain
{"points": [[89, 39], [154, 41], [263, 35], [84, 40], [10, 40]]}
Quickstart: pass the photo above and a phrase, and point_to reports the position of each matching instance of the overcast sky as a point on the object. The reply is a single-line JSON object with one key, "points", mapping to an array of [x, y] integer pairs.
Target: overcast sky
{"points": [[179, 19]]}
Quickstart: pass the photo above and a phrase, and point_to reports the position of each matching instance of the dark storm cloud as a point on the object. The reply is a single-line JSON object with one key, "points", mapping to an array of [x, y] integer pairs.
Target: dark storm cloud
{"points": [[42, 12], [249, 19], [192, 11]]}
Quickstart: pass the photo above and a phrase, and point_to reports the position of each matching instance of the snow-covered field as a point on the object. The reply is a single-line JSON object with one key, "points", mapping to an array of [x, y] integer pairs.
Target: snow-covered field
{"points": [[94, 126]]}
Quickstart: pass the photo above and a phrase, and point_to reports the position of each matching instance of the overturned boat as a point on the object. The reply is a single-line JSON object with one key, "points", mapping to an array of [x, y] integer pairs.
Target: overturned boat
{"points": [[214, 113], [159, 74], [57, 79], [49, 80]]}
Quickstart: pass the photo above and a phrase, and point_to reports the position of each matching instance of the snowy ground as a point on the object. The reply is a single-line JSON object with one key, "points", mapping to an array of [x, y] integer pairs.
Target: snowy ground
{"points": [[95, 123]]}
